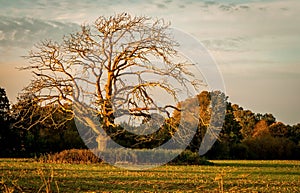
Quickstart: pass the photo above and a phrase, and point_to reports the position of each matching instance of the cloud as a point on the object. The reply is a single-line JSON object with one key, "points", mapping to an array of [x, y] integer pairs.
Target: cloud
{"points": [[17, 37], [24, 32]]}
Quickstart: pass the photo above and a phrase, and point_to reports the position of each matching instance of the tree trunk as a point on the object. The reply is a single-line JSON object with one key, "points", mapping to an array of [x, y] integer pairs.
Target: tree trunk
{"points": [[102, 142]]}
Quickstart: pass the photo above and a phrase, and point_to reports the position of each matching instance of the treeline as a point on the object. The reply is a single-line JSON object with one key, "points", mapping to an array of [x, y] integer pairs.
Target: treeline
{"points": [[245, 135], [248, 135], [23, 134]]}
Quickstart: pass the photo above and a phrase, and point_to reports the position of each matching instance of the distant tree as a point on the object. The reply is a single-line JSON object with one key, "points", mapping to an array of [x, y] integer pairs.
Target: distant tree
{"points": [[269, 147], [261, 129], [204, 99], [102, 70], [246, 119], [279, 129], [294, 134], [28, 113], [7, 137], [44, 134], [231, 130], [4, 117], [272, 141], [269, 118], [4, 105], [229, 137]]}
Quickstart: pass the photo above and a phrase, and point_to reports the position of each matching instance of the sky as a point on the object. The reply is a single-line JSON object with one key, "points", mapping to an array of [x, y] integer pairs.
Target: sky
{"points": [[256, 44]]}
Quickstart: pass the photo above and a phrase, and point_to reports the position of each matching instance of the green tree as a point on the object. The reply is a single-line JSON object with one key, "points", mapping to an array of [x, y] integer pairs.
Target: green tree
{"points": [[279, 129], [269, 118], [294, 133], [5, 133], [269, 147], [226, 146], [261, 129], [204, 100], [246, 119], [232, 129], [8, 137], [4, 105], [42, 134]]}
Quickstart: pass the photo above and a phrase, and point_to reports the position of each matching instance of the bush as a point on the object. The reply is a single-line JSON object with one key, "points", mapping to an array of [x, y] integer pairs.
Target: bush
{"points": [[188, 157], [71, 156]]}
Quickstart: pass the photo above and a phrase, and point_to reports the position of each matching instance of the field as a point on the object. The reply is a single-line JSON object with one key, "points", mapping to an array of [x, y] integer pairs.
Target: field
{"points": [[23, 175]]}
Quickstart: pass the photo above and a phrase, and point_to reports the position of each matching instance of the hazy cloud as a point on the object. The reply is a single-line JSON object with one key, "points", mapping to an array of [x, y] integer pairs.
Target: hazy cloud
{"points": [[24, 32]]}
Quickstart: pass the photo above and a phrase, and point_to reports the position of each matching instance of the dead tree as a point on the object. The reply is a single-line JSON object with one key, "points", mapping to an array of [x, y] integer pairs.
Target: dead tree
{"points": [[112, 68]]}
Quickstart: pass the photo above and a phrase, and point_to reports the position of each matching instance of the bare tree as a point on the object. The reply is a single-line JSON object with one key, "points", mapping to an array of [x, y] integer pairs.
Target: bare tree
{"points": [[112, 68]]}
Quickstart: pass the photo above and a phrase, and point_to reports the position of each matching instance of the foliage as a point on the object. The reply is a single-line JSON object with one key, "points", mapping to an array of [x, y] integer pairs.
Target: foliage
{"points": [[9, 137], [5, 132], [267, 147], [247, 135], [4, 105], [40, 140], [294, 133], [204, 101]]}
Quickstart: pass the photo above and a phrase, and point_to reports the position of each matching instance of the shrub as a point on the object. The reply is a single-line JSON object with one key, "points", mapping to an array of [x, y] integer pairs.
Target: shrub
{"points": [[71, 156], [188, 157]]}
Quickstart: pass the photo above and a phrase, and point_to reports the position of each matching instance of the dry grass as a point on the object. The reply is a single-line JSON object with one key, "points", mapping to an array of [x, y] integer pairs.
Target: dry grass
{"points": [[225, 176]]}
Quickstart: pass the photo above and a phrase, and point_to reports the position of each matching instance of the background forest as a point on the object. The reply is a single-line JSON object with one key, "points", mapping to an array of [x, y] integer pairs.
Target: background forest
{"points": [[245, 135]]}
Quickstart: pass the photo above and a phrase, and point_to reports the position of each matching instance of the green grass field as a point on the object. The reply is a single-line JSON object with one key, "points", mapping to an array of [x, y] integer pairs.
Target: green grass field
{"points": [[23, 175]]}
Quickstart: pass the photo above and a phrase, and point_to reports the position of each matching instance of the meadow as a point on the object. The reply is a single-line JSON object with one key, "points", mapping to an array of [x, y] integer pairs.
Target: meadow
{"points": [[26, 175]]}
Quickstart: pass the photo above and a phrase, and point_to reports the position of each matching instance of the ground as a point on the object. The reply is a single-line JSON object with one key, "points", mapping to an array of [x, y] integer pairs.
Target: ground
{"points": [[25, 175]]}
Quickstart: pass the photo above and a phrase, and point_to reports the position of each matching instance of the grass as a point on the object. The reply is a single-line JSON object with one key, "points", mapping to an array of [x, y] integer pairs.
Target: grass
{"points": [[24, 175]]}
